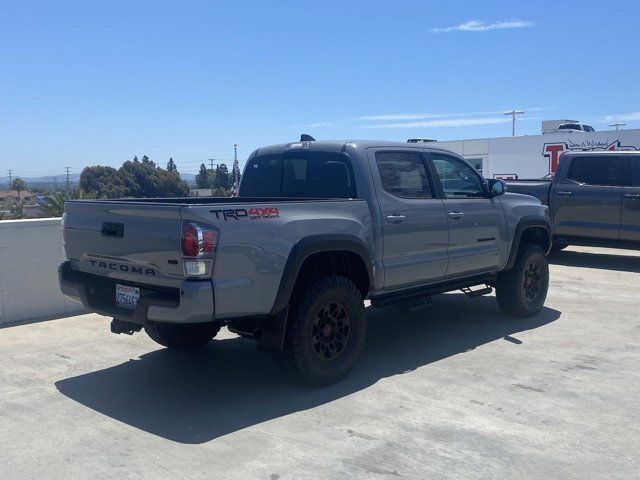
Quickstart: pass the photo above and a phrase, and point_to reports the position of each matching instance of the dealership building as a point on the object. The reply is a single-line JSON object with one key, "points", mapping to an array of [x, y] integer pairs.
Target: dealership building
{"points": [[534, 156]]}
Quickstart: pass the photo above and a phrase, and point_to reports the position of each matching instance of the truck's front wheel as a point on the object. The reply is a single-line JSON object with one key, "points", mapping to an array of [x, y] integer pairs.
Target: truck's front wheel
{"points": [[326, 332], [189, 336], [522, 291]]}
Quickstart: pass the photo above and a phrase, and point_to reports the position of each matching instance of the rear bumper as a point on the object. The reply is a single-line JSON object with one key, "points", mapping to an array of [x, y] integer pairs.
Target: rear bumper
{"points": [[192, 302]]}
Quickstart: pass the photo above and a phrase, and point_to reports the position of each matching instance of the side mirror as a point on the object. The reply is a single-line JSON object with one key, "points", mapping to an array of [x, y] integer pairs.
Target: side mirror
{"points": [[496, 187]]}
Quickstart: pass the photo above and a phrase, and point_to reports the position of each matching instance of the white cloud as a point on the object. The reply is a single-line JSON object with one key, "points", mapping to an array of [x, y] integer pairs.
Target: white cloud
{"points": [[480, 26], [625, 117], [453, 122], [421, 116]]}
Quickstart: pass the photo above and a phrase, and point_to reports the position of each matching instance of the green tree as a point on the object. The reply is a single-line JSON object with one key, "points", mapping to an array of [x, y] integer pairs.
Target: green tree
{"points": [[171, 166], [16, 210], [222, 179], [147, 161], [19, 186], [140, 179], [53, 205], [172, 185], [103, 181], [202, 179]]}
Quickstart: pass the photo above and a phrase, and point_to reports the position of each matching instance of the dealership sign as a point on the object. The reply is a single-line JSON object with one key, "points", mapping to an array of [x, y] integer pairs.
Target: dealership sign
{"points": [[552, 151]]}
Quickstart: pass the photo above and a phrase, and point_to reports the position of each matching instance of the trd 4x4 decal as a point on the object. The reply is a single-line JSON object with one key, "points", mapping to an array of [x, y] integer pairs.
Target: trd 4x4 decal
{"points": [[252, 213]]}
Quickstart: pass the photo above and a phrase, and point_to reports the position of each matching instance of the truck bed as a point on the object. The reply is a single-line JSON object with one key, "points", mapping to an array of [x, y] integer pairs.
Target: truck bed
{"points": [[537, 188], [133, 241]]}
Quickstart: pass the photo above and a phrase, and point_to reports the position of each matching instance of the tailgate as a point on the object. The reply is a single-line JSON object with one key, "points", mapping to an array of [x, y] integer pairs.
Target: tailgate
{"points": [[125, 240]]}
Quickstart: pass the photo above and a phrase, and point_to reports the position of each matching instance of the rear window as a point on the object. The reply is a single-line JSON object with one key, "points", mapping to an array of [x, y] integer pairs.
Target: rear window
{"points": [[569, 126], [299, 174], [595, 170]]}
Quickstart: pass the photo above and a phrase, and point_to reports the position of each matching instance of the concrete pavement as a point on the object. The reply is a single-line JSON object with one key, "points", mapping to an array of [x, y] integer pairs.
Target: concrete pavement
{"points": [[453, 391]]}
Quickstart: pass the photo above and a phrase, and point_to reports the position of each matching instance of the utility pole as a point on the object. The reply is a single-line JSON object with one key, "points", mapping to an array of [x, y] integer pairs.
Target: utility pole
{"points": [[235, 152], [67, 190], [513, 114], [617, 125], [10, 179]]}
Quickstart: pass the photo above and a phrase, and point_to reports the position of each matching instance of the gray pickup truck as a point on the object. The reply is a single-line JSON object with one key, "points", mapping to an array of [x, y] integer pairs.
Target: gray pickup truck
{"points": [[594, 199], [317, 228]]}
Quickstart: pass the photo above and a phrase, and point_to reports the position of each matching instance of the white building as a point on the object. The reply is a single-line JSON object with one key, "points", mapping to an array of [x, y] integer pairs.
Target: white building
{"points": [[534, 156]]}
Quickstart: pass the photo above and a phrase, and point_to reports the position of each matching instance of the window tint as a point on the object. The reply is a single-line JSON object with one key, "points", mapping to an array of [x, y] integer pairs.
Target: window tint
{"points": [[635, 171], [569, 126], [403, 174], [299, 174], [595, 170], [457, 178]]}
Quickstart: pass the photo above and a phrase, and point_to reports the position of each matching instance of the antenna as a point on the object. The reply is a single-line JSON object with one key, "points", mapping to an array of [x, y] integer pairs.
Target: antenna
{"points": [[306, 138]]}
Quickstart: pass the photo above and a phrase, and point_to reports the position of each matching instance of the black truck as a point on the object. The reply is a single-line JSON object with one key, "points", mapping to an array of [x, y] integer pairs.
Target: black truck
{"points": [[593, 199]]}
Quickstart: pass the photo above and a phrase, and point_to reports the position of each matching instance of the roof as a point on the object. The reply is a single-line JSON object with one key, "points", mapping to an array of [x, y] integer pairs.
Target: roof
{"points": [[340, 145], [14, 193], [603, 152]]}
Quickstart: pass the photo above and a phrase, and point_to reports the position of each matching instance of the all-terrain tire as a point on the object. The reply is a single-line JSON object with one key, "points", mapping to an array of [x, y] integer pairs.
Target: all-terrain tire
{"points": [[522, 291], [326, 332], [188, 336]]}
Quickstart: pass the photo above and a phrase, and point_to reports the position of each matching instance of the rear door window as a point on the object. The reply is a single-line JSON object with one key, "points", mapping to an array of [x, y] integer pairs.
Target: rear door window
{"points": [[404, 174], [599, 170], [635, 170]]}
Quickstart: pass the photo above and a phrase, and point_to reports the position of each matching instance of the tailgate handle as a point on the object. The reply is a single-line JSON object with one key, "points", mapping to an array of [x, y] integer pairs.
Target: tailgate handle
{"points": [[111, 229]]}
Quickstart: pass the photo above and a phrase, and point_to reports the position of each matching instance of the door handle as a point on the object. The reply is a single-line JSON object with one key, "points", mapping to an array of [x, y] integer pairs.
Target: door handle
{"points": [[396, 218], [564, 193], [456, 215], [632, 196]]}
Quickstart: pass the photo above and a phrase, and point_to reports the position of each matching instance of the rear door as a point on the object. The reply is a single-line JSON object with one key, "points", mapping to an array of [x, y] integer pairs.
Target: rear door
{"points": [[587, 201], [414, 222], [630, 225], [477, 225]]}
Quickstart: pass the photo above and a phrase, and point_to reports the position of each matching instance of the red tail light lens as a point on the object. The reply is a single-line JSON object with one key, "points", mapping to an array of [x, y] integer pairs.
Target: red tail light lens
{"points": [[197, 240], [190, 243]]}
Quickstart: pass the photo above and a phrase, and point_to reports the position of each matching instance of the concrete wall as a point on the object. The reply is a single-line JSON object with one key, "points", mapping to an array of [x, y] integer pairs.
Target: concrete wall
{"points": [[30, 252]]}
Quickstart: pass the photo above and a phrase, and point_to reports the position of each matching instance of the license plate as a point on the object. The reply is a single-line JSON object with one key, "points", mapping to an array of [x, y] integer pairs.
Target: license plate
{"points": [[127, 297]]}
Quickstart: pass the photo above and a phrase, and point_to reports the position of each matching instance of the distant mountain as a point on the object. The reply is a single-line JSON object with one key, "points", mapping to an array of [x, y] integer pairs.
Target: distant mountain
{"points": [[60, 180]]}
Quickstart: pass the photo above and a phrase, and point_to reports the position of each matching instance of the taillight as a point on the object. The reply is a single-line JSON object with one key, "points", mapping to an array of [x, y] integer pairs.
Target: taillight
{"points": [[190, 244], [197, 240], [209, 240]]}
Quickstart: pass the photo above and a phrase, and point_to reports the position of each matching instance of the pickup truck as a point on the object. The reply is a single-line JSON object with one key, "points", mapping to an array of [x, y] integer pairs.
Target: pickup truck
{"points": [[316, 228], [593, 199]]}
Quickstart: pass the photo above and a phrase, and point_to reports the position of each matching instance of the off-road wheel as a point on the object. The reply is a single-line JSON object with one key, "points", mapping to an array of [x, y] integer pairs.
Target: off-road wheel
{"points": [[522, 291], [326, 331], [188, 336]]}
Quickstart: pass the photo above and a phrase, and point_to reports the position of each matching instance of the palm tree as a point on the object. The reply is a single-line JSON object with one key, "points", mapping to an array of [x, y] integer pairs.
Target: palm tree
{"points": [[53, 204], [18, 185]]}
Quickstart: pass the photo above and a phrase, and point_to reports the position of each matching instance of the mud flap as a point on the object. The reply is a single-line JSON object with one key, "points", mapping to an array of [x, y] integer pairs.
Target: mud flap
{"points": [[273, 332]]}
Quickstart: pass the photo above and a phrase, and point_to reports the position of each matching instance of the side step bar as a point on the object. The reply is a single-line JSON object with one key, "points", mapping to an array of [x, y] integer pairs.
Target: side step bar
{"points": [[424, 293], [476, 293]]}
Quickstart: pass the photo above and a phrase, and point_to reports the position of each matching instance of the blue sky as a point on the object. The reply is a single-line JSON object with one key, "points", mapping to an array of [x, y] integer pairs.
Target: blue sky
{"points": [[84, 83]]}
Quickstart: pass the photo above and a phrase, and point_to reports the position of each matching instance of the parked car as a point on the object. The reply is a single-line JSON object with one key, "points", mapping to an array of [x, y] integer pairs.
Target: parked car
{"points": [[317, 228], [593, 198]]}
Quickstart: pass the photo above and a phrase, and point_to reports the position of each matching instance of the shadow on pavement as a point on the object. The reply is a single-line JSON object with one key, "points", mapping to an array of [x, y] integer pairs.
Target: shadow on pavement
{"points": [[605, 261], [196, 397]]}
